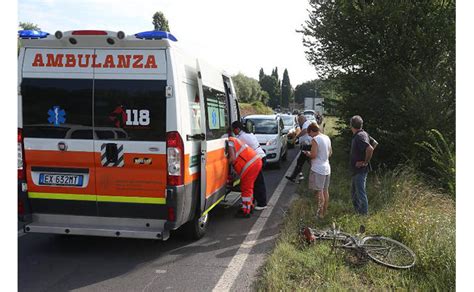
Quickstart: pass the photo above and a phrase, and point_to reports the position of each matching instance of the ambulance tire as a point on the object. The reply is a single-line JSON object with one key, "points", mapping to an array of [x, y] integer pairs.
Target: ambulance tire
{"points": [[197, 227]]}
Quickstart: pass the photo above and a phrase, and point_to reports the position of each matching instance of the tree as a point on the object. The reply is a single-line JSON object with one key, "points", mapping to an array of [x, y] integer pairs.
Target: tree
{"points": [[260, 75], [286, 90], [270, 85], [275, 74], [306, 89], [394, 62], [28, 26], [160, 22], [248, 89]]}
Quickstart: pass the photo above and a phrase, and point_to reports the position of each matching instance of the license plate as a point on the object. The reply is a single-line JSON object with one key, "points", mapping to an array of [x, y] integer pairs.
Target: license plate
{"points": [[61, 179]]}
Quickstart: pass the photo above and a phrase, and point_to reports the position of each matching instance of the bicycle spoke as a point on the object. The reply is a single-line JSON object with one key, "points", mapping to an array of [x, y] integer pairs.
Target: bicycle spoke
{"points": [[388, 252]]}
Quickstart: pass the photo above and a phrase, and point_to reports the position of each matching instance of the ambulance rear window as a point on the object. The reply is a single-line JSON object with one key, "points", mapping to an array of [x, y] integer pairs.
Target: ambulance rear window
{"points": [[54, 108], [134, 109], [123, 109], [81, 134], [46, 132]]}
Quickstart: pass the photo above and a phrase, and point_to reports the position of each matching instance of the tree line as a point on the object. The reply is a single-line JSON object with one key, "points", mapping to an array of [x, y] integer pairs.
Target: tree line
{"points": [[393, 63], [276, 93], [268, 89]]}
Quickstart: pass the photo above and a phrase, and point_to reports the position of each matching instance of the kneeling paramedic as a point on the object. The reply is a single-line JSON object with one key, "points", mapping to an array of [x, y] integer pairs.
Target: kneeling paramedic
{"points": [[247, 164]]}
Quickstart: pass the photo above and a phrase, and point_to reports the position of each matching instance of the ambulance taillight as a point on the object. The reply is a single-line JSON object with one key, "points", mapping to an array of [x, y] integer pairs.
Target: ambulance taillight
{"points": [[175, 159], [21, 208], [171, 214], [21, 165]]}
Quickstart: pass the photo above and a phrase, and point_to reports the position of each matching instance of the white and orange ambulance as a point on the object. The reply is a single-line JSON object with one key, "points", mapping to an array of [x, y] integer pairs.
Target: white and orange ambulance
{"points": [[121, 136]]}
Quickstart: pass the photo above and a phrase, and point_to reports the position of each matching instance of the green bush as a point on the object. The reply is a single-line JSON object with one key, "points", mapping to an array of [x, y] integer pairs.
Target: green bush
{"points": [[256, 107], [443, 158]]}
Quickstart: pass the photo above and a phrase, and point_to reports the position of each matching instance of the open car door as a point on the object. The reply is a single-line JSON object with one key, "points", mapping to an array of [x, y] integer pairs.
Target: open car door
{"points": [[215, 121]]}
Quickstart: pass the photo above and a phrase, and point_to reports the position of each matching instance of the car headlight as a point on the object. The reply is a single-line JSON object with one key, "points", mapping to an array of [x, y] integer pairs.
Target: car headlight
{"points": [[272, 142]]}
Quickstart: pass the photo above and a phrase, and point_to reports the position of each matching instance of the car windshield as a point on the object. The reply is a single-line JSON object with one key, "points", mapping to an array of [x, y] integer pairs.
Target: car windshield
{"points": [[288, 121], [310, 117], [265, 126]]}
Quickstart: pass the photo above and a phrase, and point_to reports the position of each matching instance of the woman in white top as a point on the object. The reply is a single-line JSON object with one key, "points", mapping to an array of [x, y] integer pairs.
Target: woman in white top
{"points": [[320, 173]]}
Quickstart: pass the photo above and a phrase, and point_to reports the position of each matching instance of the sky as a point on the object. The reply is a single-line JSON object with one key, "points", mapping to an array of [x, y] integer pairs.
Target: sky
{"points": [[237, 36]]}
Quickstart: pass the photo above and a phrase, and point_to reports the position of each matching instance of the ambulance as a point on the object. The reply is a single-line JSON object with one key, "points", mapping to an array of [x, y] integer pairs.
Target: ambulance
{"points": [[120, 135]]}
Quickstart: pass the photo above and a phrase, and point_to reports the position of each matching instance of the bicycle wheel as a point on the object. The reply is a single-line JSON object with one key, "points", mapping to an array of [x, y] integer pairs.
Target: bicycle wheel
{"points": [[388, 252]]}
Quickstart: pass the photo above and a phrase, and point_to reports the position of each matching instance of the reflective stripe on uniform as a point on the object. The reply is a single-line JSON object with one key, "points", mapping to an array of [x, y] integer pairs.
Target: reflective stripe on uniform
{"points": [[247, 165], [242, 148], [246, 199]]}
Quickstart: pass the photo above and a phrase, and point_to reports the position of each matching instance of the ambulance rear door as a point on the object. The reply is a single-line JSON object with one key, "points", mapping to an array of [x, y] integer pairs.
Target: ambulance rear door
{"points": [[215, 117], [130, 134], [56, 102]]}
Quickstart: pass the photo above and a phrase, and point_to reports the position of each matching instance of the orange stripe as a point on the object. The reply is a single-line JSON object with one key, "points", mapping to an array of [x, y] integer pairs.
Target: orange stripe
{"points": [[49, 158], [188, 178], [137, 180], [217, 171], [133, 179]]}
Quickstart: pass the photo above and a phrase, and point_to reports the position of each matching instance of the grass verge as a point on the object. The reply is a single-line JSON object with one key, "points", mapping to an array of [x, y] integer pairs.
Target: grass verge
{"points": [[401, 206]]}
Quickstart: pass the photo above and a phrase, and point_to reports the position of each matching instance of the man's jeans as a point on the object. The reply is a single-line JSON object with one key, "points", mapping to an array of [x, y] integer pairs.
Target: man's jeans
{"points": [[359, 196]]}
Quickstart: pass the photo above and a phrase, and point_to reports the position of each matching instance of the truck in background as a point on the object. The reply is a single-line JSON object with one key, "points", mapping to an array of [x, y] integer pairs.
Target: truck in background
{"points": [[314, 103]]}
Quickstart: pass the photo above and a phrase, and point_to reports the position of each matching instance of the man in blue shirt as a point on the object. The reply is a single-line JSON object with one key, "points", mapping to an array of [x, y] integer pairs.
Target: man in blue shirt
{"points": [[361, 153]]}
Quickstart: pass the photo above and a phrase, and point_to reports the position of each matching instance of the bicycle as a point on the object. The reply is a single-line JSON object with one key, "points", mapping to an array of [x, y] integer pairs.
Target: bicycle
{"points": [[380, 249]]}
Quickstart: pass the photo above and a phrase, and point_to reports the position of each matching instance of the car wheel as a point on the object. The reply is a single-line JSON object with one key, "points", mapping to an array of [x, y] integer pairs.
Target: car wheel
{"points": [[197, 227]]}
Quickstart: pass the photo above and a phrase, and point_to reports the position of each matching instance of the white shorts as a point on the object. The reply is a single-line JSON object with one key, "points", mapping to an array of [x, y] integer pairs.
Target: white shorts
{"points": [[318, 182]]}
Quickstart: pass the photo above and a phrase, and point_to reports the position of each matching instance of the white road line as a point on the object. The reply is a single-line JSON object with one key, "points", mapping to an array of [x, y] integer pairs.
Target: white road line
{"points": [[235, 266]]}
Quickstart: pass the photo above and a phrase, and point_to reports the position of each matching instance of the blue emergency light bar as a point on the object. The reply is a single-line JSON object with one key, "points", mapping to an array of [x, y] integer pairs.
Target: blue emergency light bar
{"points": [[32, 34], [155, 34]]}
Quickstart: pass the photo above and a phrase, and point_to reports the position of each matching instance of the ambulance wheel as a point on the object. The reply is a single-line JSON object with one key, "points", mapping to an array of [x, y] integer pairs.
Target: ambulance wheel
{"points": [[196, 228]]}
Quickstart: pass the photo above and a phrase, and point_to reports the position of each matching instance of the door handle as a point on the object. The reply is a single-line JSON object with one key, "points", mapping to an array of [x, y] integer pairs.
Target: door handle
{"points": [[111, 152], [200, 137], [62, 146]]}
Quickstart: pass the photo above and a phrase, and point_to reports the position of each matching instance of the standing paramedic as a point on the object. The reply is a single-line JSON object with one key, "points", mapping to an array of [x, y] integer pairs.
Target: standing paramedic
{"points": [[260, 190], [361, 153], [305, 145], [247, 164]]}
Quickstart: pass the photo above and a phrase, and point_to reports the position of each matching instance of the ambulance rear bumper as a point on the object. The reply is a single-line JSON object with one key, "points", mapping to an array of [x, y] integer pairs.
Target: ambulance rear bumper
{"points": [[98, 226]]}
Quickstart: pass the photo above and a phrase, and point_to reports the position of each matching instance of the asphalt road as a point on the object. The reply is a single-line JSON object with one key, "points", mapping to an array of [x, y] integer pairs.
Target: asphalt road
{"points": [[64, 263]]}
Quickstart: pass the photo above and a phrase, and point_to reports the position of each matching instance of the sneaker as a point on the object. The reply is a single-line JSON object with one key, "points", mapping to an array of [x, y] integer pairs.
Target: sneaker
{"points": [[301, 177], [292, 180], [259, 208]]}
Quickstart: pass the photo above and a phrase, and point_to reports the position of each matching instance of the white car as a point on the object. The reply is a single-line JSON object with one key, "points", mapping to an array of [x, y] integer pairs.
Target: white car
{"points": [[291, 125], [271, 135]]}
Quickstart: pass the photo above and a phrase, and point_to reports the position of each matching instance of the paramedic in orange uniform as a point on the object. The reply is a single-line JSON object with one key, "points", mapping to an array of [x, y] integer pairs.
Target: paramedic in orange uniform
{"points": [[247, 164]]}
